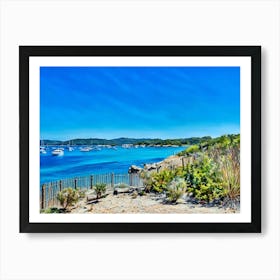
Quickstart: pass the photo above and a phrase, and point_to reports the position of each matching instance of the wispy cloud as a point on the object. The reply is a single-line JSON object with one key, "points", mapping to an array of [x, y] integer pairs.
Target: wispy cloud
{"points": [[168, 102]]}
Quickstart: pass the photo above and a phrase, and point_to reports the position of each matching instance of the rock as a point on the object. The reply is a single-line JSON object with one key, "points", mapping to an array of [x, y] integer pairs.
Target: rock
{"points": [[194, 201], [134, 194], [202, 202], [133, 169], [210, 204], [91, 197], [140, 191], [122, 190], [181, 201], [233, 204], [150, 167], [217, 201]]}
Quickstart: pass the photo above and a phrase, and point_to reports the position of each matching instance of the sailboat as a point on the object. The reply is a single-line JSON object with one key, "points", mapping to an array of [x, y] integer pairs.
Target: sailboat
{"points": [[42, 148], [70, 149], [85, 149], [57, 152]]}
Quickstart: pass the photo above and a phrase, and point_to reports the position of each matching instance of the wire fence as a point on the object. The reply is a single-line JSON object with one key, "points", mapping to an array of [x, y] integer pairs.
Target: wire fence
{"points": [[49, 191]]}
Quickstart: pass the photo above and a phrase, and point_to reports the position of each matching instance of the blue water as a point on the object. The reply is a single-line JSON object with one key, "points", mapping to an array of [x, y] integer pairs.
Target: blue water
{"points": [[77, 163]]}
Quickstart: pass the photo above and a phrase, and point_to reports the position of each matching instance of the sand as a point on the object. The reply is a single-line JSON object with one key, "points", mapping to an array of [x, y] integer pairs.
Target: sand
{"points": [[149, 203]]}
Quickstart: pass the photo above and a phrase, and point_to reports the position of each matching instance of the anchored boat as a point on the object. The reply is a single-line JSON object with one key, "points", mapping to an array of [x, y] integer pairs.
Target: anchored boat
{"points": [[58, 152]]}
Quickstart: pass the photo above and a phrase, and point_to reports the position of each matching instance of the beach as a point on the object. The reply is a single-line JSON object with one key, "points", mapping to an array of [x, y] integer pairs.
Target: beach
{"points": [[145, 204]]}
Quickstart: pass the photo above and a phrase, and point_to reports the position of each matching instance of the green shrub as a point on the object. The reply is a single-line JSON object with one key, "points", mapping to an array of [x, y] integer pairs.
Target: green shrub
{"points": [[157, 181], [190, 150], [214, 171], [100, 189], [82, 193], [67, 197], [203, 179], [180, 172], [142, 192], [160, 180], [211, 171], [175, 189]]}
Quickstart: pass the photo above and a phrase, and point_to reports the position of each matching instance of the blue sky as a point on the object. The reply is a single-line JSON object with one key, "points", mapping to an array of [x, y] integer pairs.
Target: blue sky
{"points": [[153, 102]]}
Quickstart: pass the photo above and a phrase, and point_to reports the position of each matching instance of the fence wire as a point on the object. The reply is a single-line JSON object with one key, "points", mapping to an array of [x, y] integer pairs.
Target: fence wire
{"points": [[49, 191]]}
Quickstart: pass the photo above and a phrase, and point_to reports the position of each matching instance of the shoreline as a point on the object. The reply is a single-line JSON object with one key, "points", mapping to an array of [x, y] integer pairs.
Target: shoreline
{"points": [[78, 164], [192, 179]]}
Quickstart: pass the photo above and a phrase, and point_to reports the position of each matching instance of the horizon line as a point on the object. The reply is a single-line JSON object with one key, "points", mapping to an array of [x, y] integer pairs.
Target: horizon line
{"points": [[140, 138]]}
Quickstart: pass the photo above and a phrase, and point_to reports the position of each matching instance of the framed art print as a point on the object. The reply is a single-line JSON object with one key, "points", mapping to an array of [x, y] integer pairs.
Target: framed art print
{"points": [[140, 138]]}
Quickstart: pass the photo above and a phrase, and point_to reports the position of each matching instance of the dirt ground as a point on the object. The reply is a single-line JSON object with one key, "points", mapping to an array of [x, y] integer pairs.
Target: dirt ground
{"points": [[149, 203]]}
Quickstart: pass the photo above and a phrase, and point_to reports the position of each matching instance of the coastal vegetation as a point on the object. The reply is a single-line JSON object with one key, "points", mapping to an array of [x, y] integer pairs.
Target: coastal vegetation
{"points": [[100, 189], [69, 196], [133, 141], [176, 189], [203, 174], [211, 173]]}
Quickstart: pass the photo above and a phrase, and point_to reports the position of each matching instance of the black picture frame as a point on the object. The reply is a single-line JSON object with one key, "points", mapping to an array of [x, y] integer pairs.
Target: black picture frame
{"points": [[254, 52]]}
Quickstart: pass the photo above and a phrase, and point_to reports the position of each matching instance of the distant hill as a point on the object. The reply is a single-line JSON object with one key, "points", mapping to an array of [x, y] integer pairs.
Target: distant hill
{"points": [[123, 140]]}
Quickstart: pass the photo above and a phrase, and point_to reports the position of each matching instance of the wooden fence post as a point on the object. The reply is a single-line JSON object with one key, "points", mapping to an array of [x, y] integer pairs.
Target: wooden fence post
{"points": [[75, 183], [60, 185], [112, 180], [130, 179], [183, 163], [91, 181], [43, 196]]}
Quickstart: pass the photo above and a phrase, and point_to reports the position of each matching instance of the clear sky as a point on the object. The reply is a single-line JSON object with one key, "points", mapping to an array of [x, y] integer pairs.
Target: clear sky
{"points": [[136, 102]]}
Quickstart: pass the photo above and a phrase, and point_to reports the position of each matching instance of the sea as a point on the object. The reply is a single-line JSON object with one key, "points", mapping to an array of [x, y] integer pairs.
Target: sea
{"points": [[106, 160]]}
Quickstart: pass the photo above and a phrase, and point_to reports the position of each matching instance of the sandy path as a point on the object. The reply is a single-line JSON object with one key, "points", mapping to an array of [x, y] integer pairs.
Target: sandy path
{"points": [[125, 203]]}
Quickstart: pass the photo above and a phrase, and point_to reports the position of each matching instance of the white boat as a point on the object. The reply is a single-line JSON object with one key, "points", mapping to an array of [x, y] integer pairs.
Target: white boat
{"points": [[43, 150], [42, 147], [85, 149], [70, 149], [127, 146], [58, 152]]}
